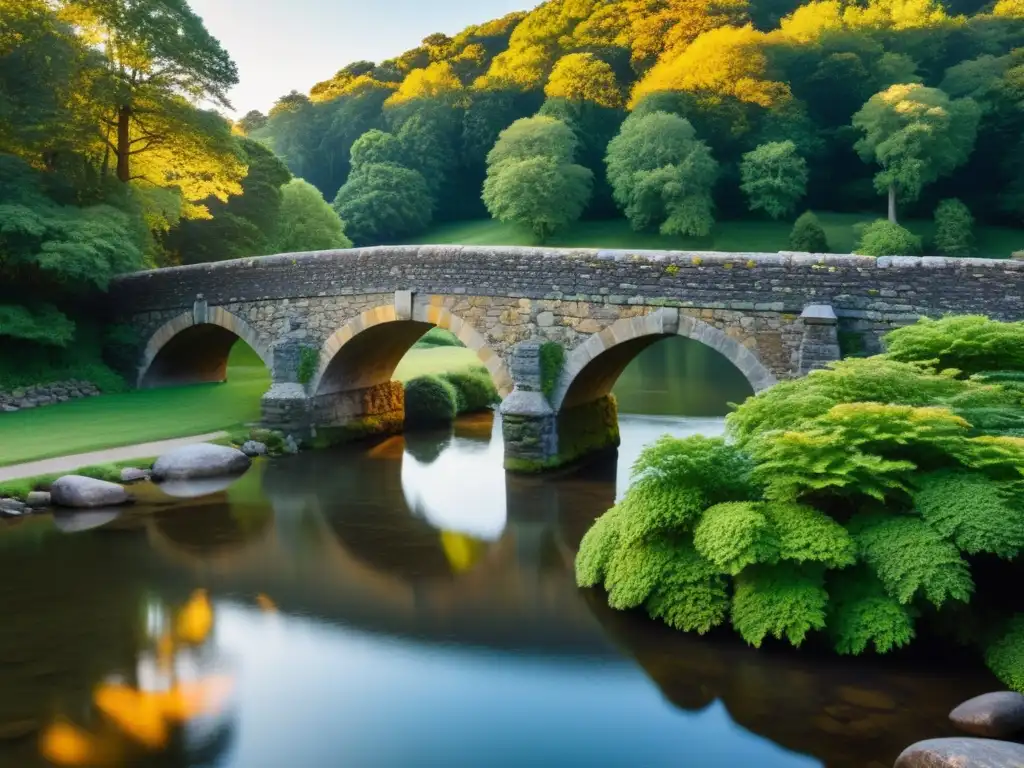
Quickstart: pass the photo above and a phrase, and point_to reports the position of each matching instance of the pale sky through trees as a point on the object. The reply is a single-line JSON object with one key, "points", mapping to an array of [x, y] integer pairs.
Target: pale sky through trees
{"points": [[281, 45]]}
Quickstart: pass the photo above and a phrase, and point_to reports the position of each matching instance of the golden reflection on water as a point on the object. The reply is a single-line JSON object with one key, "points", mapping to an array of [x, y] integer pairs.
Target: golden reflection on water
{"points": [[135, 717]]}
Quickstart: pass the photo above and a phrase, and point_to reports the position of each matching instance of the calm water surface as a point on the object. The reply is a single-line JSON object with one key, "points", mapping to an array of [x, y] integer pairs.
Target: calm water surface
{"points": [[409, 604]]}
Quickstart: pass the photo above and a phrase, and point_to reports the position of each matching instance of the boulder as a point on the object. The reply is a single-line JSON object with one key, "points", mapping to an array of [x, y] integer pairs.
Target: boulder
{"points": [[962, 753], [133, 475], [202, 460], [254, 448], [38, 499], [80, 492], [992, 715], [11, 507]]}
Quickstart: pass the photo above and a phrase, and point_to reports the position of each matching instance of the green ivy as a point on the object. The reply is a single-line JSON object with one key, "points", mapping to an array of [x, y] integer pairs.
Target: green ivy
{"points": [[552, 359], [309, 362]]}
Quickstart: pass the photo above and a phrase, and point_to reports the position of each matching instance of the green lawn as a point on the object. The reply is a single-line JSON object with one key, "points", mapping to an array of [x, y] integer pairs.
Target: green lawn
{"points": [[109, 421], [769, 236]]}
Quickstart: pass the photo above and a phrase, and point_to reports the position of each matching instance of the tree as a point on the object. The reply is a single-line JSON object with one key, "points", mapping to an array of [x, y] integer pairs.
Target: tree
{"points": [[383, 200], [661, 173], [532, 179], [584, 77], [916, 134], [306, 222], [774, 178], [157, 52], [251, 121]]}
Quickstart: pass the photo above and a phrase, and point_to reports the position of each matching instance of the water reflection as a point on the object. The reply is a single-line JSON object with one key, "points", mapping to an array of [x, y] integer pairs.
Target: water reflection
{"points": [[406, 604]]}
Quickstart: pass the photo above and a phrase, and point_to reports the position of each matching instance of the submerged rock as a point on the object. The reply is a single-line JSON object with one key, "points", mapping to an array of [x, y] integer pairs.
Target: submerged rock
{"points": [[133, 475], [993, 715], [11, 507], [254, 448], [202, 460], [80, 492], [962, 753], [38, 499]]}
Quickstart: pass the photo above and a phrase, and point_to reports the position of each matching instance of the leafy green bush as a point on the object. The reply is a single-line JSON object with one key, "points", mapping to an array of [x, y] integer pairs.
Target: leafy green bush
{"points": [[883, 238], [954, 235], [438, 337], [474, 388], [429, 401], [969, 343], [808, 235], [850, 502]]}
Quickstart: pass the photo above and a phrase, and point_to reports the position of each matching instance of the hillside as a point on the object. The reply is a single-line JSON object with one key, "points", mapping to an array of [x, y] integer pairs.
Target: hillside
{"points": [[743, 73]]}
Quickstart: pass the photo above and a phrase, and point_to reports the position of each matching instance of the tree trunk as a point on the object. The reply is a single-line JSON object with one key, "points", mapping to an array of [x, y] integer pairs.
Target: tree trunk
{"points": [[892, 203], [124, 144]]}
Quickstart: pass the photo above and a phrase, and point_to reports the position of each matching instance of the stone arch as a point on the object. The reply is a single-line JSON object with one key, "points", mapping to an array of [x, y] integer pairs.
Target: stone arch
{"points": [[184, 350], [367, 349], [592, 368]]}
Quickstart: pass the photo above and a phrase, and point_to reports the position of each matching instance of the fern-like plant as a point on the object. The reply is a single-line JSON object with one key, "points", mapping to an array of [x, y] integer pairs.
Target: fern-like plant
{"points": [[734, 535], [784, 600], [862, 613]]}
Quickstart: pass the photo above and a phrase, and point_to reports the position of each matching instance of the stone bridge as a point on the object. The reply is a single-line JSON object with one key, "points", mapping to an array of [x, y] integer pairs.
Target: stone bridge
{"points": [[332, 326]]}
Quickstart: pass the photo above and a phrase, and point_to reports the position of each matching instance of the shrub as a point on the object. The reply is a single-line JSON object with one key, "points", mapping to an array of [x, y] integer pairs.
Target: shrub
{"points": [[474, 389], [969, 343], [430, 400], [883, 238], [846, 501], [808, 235], [552, 358], [954, 224], [438, 337]]}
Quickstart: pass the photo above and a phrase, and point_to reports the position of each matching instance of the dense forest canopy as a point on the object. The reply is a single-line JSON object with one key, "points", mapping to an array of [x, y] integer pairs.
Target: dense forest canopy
{"points": [[114, 158], [908, 101]]}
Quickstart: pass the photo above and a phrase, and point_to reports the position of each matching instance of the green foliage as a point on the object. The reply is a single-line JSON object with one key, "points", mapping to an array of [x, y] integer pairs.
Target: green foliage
{"points": [[552, 359], [43, 324], [720, 471], [911, 559], [970, 344], [438, 337], [781, 600], [1005, 654], [121, 346], [734, 535], [599, 543], [954, 235], [774, 178], [805, 534], [429, 401], [807, 235], [309, 362], [689, 596], [532, 178], [974, 512], [861, 613], [475, 389], [306, 222], [662, 174], [885, 238]]}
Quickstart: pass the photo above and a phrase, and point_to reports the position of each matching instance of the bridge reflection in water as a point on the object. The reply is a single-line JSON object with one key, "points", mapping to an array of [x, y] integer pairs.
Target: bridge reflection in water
{"points": [[410, 604]]}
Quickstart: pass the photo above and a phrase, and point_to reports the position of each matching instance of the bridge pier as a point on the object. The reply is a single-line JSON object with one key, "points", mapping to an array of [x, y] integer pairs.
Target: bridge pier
{"points": [[537, 438], [338, 417]]}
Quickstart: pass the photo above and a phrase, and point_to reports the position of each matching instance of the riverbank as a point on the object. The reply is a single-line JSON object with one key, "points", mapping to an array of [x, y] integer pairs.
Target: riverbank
{"points": [[114, 421]]}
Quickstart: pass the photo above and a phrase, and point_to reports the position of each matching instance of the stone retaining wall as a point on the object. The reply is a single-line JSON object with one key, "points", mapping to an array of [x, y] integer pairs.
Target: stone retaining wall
{"points": [[41, 395]]}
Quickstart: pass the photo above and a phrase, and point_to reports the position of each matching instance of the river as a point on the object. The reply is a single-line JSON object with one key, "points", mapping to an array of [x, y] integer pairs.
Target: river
{"points": [[408, 604]]}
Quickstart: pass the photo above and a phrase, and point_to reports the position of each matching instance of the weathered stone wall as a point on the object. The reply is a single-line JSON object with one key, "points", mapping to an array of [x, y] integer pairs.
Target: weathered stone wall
{"points": [[41, 395]]}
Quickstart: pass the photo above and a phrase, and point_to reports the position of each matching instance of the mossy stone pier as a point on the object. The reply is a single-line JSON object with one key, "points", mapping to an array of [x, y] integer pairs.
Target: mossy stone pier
{"points": [[773, 315]]}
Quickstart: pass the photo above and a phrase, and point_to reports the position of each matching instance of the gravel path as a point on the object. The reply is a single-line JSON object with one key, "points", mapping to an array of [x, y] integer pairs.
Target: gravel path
{"points": [[106, 456]]}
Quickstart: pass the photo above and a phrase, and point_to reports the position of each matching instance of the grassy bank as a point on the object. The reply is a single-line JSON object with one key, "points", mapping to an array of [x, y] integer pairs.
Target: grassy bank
{"points": [[160, 414], [994, 242]]}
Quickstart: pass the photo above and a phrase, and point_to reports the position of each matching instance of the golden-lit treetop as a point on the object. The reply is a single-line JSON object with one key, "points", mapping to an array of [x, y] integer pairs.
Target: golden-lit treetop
{"points": [[437, 79], [584, 77], [725, 62]]}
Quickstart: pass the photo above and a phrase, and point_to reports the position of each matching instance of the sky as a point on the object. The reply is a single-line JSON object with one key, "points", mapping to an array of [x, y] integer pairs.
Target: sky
{"points": [[285, 45]]}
